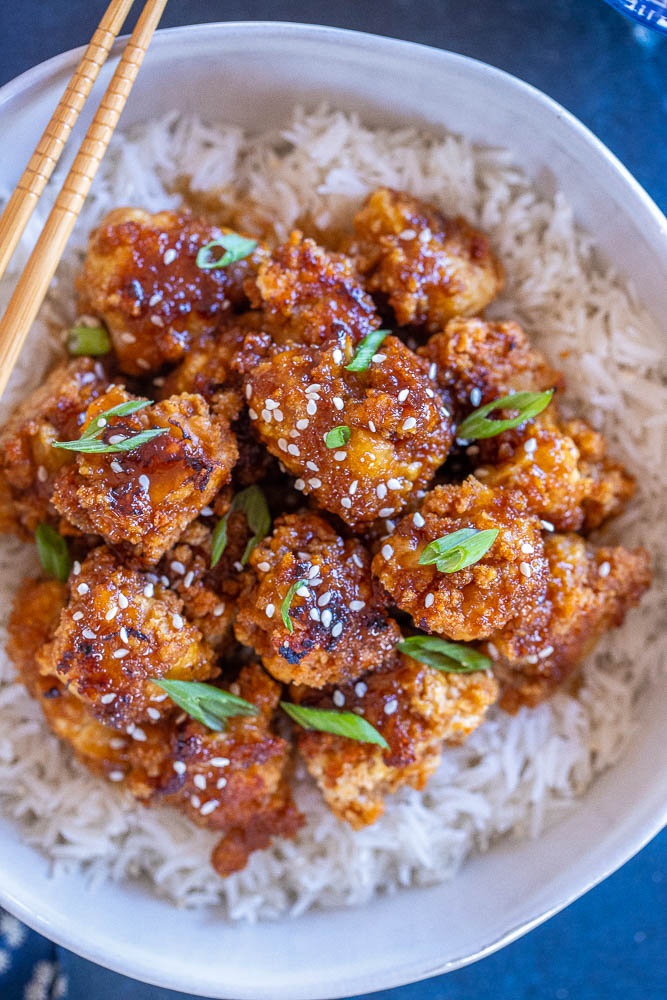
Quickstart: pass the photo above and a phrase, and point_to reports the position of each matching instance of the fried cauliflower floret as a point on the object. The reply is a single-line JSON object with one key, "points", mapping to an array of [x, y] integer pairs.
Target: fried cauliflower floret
{"points": [[415, 708], [143, 499], [428, 267], [399, 430], [28, 464], [33, 620], [474, 362], [141, 277], [236, 780], [473, 602], [609, 486], [589, 591], [117, 632], [311, 296], [339, 620]]}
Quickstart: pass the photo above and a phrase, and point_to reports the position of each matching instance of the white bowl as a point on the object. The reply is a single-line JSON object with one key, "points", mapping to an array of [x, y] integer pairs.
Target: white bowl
{"points": [[252, 74]]}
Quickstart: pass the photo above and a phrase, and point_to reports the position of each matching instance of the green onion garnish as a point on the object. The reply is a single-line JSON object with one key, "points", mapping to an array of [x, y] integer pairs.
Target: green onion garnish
{"points": [[236, 248], [458, 549], [90, 340], [326, 720], [287, 603], [207, 704], [90, 441], [53, 554], [252, 503], [477, 425], [365, 351], [450, 657], [337, 437]]}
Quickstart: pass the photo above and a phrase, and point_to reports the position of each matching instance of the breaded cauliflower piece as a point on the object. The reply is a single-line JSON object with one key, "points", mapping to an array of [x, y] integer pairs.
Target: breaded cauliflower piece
{"points": [[28, 464], [428, 267], [474, 362], [415, 708], [473, 602], [399, 430], [143, 499], [610, 487], [310, 296], [32, 622], [341, 628], [117, 632], [141, 277], [589, 591]]}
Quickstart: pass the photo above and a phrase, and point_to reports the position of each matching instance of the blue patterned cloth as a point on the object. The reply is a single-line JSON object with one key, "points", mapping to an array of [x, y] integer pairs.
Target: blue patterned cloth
{"points": [[613, 75]]}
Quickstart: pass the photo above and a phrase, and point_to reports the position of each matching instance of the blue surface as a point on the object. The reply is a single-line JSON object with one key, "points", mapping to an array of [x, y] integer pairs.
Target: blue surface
{"points": [[612, 73]]}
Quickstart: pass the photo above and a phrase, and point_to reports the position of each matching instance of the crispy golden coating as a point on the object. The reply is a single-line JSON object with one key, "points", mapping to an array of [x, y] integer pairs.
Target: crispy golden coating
{"points": [[474, 362], [472, 602], [400, 432], [428, 267], [609, 486], [117, 632], [588, 592], [33, 620], [341, 628], [415, 708], [143, 499], [236, 780], [28, 464], [311, 296], [141, 277]]}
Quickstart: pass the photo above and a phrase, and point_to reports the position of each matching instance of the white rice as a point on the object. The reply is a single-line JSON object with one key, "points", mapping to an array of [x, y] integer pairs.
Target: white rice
{"points": [[516, 774]]}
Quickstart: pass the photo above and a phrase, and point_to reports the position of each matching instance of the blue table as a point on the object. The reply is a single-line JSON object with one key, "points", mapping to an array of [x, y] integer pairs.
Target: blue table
{"points": [[612, 73]]}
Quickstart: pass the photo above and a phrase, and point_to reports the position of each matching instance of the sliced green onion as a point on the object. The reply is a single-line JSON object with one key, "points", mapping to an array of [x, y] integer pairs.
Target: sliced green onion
{"points": [[98, 423], [207, 704], [326, 720], [90, 340], [92, 446], [365, 351], [337, 437], [477, 425], [252, 503], [236, 248], [450, 657], [458, 549], [287, 603], [53, 554]]}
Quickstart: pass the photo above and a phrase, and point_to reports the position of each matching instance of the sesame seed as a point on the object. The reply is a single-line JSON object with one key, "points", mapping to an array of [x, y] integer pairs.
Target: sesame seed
{"points": [[294, 434], [492, 651], [138, 734], [154, 299], [219, 761], [299, 484], [116, 438], [195, 801], [42, 474], [111, 613], [338, 699], [544, 653], [530, 445], [122, 601], [393, 484], [432, 371], [153, 714], [352, 488], [379, 358], [604, 568], [164, 580], [83, 588], [340, 456], [403, 395], [547, 525], [206, 512], [179, 767], [381, 491], [346, 503], [123, 635], [270, 610], [431, 395], [88, 633], [263, 567], [158, 696], [527, 548], [315, 483], [311, 408], [116, 467], [391, 706], [324, 599], [371, 427], [220, 783], [409, 424], [278, 416], [159, 381], [266, 416], [270, 404], [106, 699], [476, 396], [177, 567], [337, 629], [76, 568], [209, 807], [116, 744], [144, 482], [532, 659], [385, 511], [314, 614], [199, 781], [218, 610], [338, 403], [252, 413], [337, 356], [418, 520], [302, 591], [357, 605], [525, 569], [149, 590], [169, 257], [387, 551], [389, 525], [120, 653], [302, 424], [177, 621], [189, 578], [282, 444], [327, 618], [116, 775], [156, 321], [127, 338], [293, 450]]}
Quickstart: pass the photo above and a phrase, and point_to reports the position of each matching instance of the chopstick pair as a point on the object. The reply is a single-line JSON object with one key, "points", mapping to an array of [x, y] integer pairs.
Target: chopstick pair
{"points": [[40, 268]]}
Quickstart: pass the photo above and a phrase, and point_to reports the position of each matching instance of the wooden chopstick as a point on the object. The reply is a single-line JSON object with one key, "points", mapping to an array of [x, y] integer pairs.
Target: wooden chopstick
{"points": [[34, 282], [47, 152]]}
